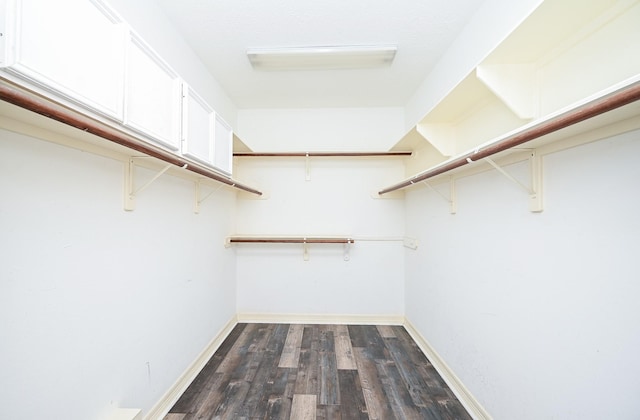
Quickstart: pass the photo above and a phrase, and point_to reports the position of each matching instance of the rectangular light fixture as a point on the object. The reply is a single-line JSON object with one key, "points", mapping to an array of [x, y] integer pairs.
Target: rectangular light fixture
{"points": [[322, 58]]}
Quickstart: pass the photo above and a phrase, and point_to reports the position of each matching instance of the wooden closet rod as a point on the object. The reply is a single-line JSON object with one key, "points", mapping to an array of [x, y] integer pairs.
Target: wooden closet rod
{"points": [[623, 96], [319, 154], [55, 111], [290, 240]]}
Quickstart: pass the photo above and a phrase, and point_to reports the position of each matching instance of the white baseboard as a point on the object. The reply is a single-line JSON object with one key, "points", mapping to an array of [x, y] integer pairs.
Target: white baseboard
{"points": [[126, 414], [466, 398], [163, 406], [352, 319]]}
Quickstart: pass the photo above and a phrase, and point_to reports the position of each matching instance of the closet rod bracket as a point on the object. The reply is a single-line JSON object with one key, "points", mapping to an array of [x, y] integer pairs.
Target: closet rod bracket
{"points": [[453, 207], [507, 175], [307, 170], [130, 191], [305, 250], [535, 172], [198, 199], [536, 204]]}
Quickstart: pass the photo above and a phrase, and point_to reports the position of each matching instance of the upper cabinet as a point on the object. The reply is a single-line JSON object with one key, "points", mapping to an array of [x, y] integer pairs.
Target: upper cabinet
{"points": [[223, 150], [206, 137], [82, 54], [197, 127], [77, 55], [153, 97]]}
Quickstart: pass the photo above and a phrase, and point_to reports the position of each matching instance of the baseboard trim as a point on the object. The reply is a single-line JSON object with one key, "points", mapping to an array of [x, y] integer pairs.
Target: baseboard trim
{"points": [[353, 319], [163, 406], [466, 398]]}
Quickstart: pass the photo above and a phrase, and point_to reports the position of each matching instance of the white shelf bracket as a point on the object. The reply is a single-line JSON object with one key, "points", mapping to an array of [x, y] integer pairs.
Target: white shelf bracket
{"points": [[536, 204], [535, 190], [305, 251], [452, 194], [130, 192], [198, 195], [347, 249], [129, 198], [307, 170], [508, 175]]}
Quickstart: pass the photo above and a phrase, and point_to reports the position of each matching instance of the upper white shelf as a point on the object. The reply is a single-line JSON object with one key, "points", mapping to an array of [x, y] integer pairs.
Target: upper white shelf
{"points": [[619, 103], [562, 53]]}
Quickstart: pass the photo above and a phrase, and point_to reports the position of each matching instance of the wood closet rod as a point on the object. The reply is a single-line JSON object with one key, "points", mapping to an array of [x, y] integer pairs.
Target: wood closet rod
{"points": [[291, 240], [55, 111], [320, 154], [617, 99]]}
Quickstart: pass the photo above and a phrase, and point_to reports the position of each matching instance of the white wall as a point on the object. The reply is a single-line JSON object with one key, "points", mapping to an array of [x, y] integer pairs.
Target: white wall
{"points": [[536, 313], [317, 129], [99, 307], [274, 279]]}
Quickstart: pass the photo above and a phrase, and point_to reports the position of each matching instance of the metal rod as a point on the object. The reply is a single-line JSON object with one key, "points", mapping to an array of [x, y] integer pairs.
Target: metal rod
{"points": [[50, 109], [291, 240], [320, 154], [623, 96]]}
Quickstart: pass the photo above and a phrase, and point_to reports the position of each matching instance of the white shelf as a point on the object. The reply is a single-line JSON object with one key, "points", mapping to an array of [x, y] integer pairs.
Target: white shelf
{"points": [[563, 52]]}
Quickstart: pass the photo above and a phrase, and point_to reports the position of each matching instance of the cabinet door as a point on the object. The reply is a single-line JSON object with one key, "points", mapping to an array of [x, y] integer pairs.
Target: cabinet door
{"points": [[7, 23], [74, 48], [153, 95], [223, 146], [197, 127]]}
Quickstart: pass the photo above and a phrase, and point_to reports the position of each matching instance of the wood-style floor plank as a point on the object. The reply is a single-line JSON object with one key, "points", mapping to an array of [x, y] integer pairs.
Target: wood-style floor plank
{"points": [[278, 396], [238, 350], [323, 372], [266, 372], [369, 337], [352, 402], [398, 395], [415, 383], [209, 400], [303, 407], [233, 396], [377, 402], [329, 393], [192, 397], [291, 351], [386, 331], [344, 351], [307, 377]]}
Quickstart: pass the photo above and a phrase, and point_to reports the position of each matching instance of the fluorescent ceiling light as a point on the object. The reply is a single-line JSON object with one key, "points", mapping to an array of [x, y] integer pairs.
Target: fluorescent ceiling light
{"points": [[322, 58]]}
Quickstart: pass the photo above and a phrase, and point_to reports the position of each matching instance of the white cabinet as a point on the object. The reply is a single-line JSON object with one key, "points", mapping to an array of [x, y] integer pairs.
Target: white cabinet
{"points": [[206, 137], [198, 121], [223, 146], [153, 98], [7, 22], [70, 47], [81, 53]]}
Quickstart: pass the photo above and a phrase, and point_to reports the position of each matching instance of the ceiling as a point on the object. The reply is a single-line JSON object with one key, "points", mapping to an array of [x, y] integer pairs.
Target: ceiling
{"points": [[220, 32]]}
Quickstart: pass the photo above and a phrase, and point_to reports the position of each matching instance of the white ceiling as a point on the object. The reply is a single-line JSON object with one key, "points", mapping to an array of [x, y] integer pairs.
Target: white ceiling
{"points": [[220, 31]]}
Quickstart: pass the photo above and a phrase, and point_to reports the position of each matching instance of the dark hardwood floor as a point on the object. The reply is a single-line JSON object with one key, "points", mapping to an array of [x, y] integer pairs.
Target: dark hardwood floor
{"points": [[333, 372]]}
